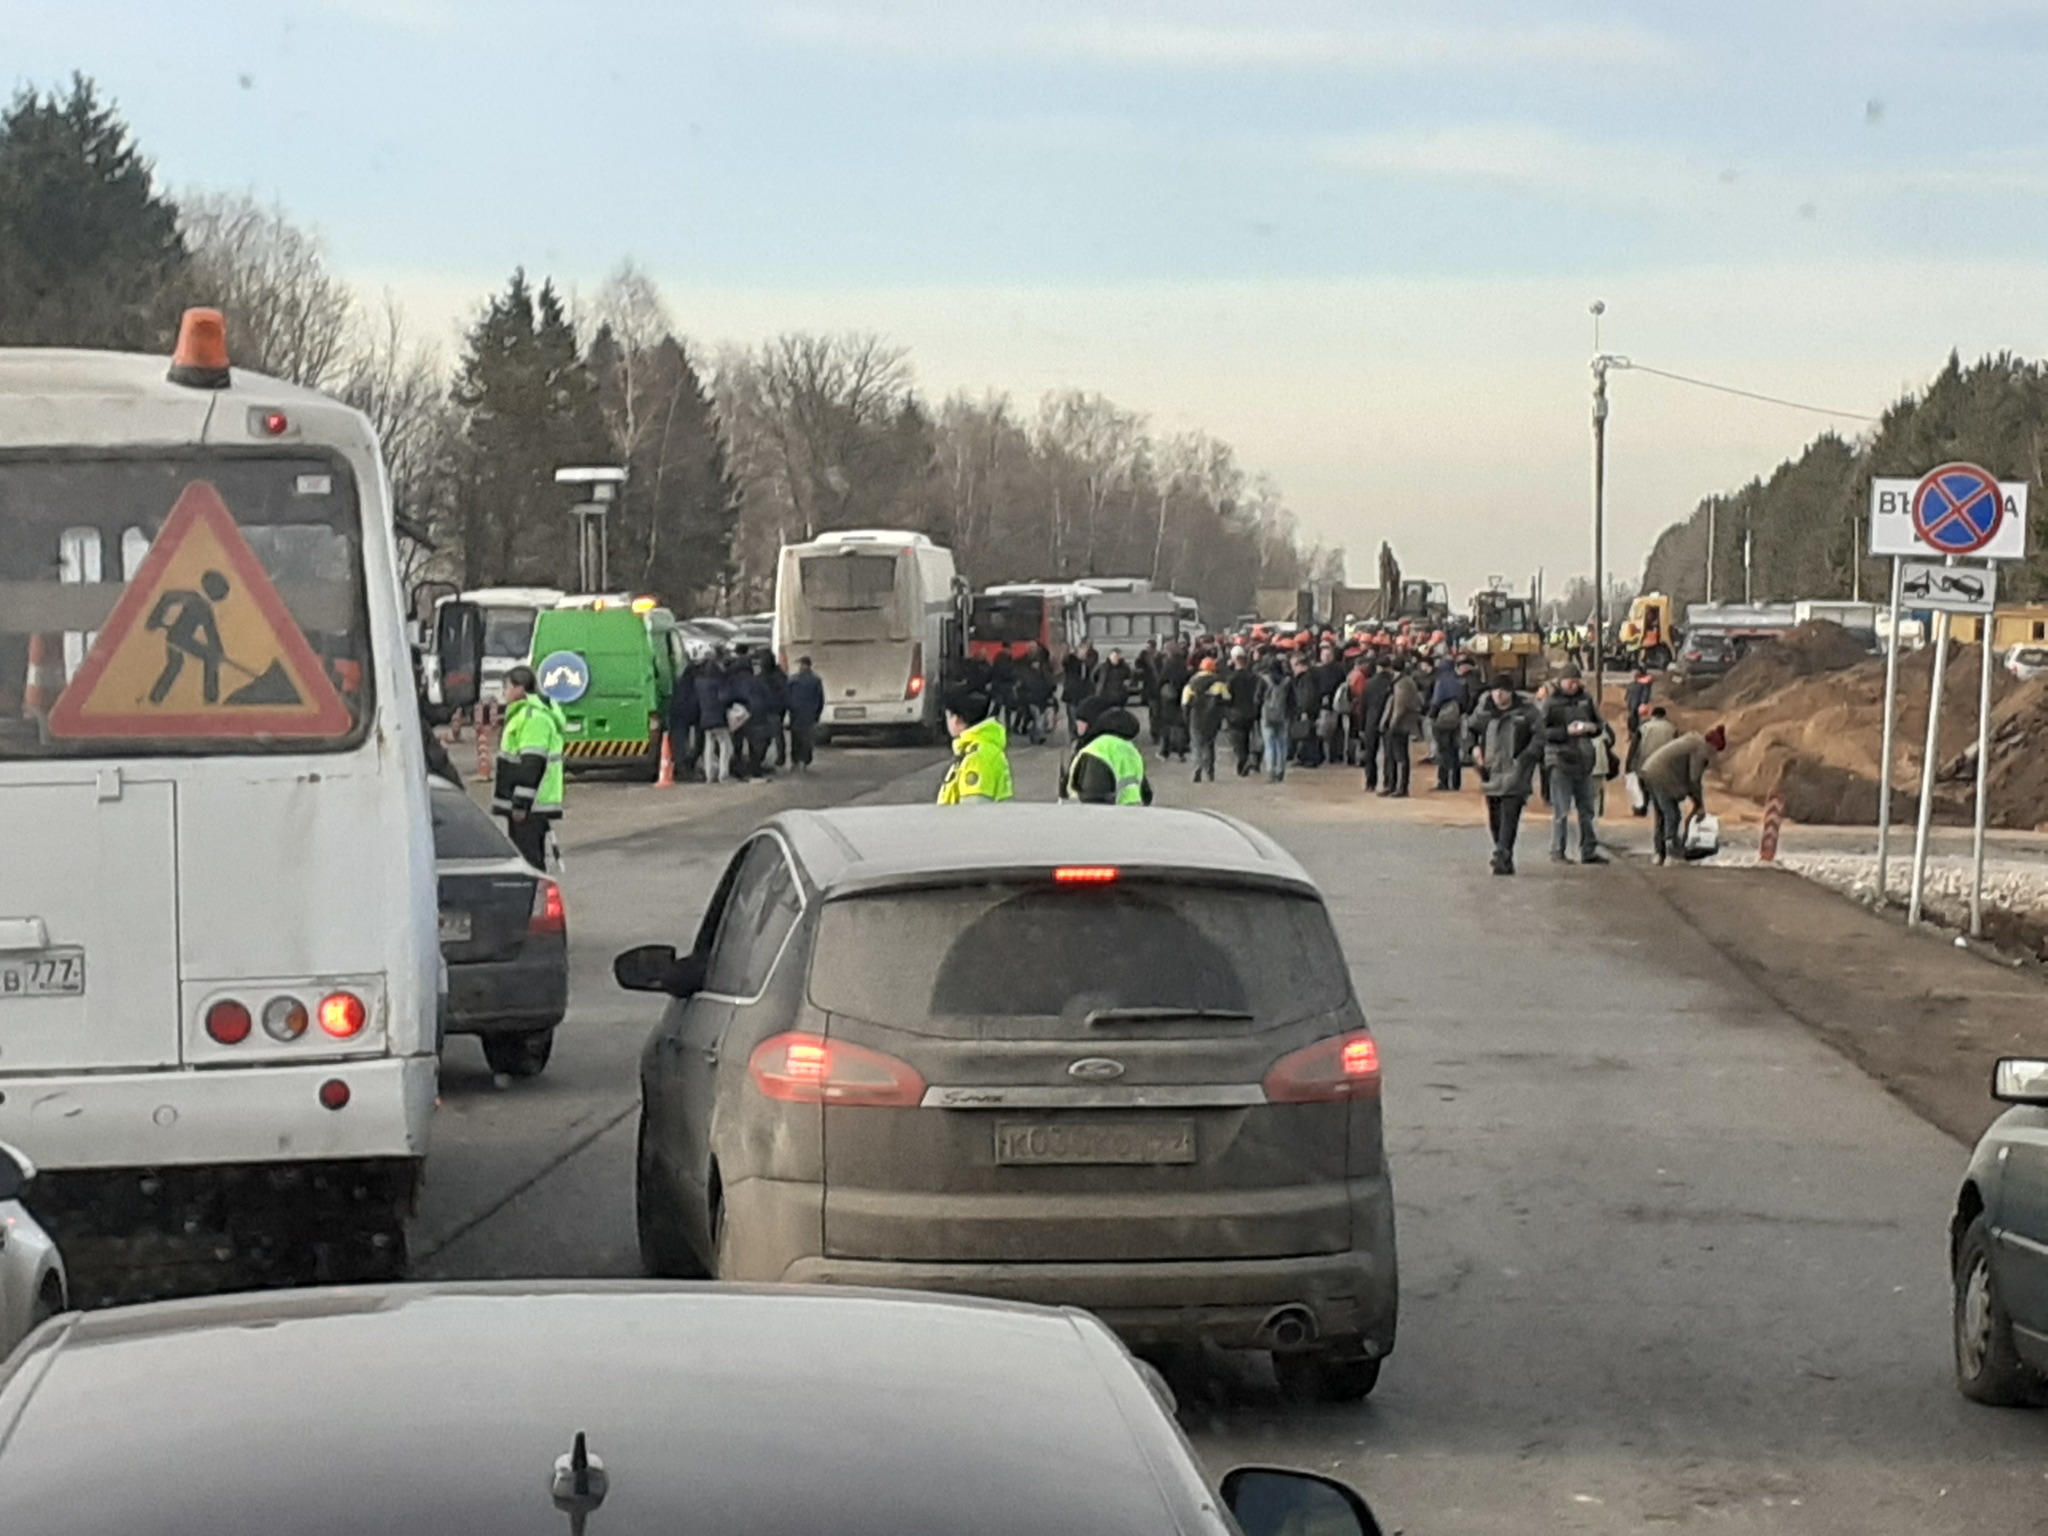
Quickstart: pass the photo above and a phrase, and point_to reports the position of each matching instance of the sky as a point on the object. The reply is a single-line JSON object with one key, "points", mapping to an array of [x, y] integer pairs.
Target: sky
{"points": [[1358, 241]]}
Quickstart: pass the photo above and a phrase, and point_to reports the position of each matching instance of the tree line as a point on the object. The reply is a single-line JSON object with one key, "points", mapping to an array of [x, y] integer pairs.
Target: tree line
{"points": [[728, 456], [1806, 523]]}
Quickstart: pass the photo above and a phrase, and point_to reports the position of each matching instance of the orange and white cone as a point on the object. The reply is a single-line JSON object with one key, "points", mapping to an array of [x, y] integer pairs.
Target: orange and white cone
{"points": [[486, 742], [45, 678], [666, 778]]}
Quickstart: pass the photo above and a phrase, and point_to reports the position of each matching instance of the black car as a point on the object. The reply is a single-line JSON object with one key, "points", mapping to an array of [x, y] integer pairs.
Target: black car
{"points": [[1705, 655], [618, 1410], [504, 934], [1078, 1056], [1998, 1247]]}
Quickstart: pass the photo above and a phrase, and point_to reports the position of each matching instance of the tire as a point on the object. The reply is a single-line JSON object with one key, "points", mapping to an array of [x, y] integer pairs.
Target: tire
{"points": [[1336, 1373], [664, 1253], [49, 1302], [521, 1055], [1988, 1367], [721, 1242]]}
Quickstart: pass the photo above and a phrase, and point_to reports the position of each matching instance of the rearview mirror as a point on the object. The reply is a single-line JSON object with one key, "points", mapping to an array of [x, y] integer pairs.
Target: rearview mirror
{"points": [[16, 1173], [658, 968], [459, 647], [1273, 1501], [2020, 1080]]}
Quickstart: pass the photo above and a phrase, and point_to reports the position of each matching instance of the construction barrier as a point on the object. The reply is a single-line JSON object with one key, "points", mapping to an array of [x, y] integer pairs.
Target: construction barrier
{"points": [[1774, 822], [488, 727]]}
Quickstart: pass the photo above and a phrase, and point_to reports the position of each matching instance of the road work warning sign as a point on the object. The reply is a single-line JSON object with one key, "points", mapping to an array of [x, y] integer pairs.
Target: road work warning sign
{"points": [[200, 645]]}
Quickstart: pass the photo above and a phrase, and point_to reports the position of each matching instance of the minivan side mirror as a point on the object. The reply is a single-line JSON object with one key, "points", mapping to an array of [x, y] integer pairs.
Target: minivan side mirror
{"points": [[658, 968], [1274, 1501], [16, 1172], [459, 647], [2020, 1080]]}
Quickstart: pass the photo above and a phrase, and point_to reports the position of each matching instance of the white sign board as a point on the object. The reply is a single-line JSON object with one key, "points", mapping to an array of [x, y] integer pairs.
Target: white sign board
{"points": [[1949, 512], [1951, 588]]}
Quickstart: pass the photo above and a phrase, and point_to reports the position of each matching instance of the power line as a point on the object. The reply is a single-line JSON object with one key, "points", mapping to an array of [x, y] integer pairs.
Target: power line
{"points": [[1746, 394]]}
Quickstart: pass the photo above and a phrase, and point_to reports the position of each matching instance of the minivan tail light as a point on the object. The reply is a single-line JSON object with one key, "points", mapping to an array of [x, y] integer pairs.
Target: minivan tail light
{"points": [[1341, 1067], [809, 1069], [916, 684]]}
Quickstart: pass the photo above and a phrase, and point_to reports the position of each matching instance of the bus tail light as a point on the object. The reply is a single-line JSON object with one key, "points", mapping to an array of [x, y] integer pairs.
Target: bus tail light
{"points": [[1341, 1067], [916, 684], [343, 1015], [285, 1018], [549, 915], [334, 1094], [809, 1069], [227, 1022]]}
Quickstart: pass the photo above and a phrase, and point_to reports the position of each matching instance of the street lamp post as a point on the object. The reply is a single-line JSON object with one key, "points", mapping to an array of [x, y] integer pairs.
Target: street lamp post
{"points": [[593, 542]]}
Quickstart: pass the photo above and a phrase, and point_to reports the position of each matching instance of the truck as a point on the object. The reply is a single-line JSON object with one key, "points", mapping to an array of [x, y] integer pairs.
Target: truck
{"points": [[219, 962], [1506, 636], [611, 664], [1127, 621]]}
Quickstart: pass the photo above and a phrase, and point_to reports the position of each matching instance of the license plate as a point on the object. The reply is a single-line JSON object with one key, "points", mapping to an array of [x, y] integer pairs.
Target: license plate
{"points": [[456, 927], [850, 712], [45, 973], [1124, 1141]]}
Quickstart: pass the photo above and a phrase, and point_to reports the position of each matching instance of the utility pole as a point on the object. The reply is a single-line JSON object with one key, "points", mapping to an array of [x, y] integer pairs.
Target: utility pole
{"points": [[1713, 505], [1748, 546], [1602, 361]]}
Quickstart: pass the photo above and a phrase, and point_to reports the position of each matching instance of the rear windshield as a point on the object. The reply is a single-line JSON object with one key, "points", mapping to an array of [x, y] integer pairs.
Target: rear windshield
{"points": [[463, 831], [849, 581], [508, 632], [1008, 618], [245, 631], [976, 961]]}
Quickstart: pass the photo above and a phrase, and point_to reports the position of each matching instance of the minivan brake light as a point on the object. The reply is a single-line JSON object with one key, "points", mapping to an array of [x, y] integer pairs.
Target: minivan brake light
{"points": [[801, 1068]]}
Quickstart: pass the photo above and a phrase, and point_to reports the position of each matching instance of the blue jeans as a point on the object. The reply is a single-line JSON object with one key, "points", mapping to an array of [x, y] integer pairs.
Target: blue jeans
{"points": [[1568, 788], [1276, 751]]}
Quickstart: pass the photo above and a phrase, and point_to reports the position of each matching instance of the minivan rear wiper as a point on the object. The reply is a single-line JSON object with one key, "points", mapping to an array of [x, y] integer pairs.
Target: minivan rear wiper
{"points": [[1161, 1015]]}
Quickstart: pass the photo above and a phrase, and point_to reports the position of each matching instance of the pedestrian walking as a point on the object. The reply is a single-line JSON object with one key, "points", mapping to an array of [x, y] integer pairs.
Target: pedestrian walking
{"points": [[1112, 680], [775, 714], [1276, 716], [1241, 715], [1675, 772], [527, 787], [1076, 667], [1205, 701], [1108, 769], [714, 703], [1507, 744], [1447, 725], [806, 708], [1571, 726], [1372, 713], [685, 735], [981, 763], [1399, 722]]}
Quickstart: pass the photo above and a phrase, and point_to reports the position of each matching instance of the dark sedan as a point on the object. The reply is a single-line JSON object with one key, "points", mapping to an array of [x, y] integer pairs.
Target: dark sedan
{"points": [[504, 934], [620, 1410], [1998, 1247]]}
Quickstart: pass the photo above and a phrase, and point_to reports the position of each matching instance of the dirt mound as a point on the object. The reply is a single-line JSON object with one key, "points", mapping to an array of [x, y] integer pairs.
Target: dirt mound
{"points": [[1817, 647], [1815, 734]]}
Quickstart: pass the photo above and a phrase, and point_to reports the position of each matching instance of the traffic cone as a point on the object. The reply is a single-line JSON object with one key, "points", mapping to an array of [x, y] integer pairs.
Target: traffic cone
{"points": [[486, 741], [45, 676], [666, 778]]}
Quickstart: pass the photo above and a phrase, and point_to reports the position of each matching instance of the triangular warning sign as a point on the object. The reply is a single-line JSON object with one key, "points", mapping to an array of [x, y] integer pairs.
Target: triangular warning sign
{"points": [[200, 646]]}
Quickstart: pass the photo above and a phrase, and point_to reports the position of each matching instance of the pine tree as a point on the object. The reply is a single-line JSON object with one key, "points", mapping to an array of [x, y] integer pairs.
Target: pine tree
{"points": [[89, 250]]}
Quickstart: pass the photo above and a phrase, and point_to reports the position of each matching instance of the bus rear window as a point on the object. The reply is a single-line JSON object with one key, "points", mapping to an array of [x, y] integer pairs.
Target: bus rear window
{"points": [[1007, 619], [198, 604], [849, 581]]}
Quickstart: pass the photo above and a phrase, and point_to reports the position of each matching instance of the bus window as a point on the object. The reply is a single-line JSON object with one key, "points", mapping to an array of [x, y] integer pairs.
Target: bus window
{"points": [[508, 632], [299, 517], [850, 598]]}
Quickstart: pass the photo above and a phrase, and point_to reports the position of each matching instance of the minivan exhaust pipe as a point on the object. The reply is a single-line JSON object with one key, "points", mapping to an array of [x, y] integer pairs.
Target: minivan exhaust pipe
{"points": [[1288, 1328]]}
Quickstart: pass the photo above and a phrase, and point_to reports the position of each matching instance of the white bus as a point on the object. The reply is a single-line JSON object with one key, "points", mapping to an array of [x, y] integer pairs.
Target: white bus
{"points": [[509, 616], [881, 614], [219, 967]]}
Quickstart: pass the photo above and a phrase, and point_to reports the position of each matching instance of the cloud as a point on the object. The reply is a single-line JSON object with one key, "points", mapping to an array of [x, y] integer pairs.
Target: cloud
{"points": [[1216, 37]]}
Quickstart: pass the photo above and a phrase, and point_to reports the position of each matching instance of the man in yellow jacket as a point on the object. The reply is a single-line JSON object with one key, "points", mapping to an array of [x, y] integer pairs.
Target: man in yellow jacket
{"points": [[981, 763]]}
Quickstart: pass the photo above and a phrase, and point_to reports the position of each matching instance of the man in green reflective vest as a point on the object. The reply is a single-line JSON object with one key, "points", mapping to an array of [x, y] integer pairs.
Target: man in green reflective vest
{"points": [[1108, 769], [981, 760], [528, 787]]}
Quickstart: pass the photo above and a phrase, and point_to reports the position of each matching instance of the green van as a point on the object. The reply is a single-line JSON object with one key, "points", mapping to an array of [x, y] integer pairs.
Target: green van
{"points": [[611, 666]]}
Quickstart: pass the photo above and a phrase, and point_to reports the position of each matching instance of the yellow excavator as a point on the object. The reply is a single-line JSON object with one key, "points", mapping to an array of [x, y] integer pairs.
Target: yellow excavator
{"points": [[1646, 633], [1506, 636]]}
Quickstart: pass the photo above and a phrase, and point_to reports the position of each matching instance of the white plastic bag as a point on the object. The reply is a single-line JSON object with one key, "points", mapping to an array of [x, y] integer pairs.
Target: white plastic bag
{"points": [[1703, 837], [1638, 797]]}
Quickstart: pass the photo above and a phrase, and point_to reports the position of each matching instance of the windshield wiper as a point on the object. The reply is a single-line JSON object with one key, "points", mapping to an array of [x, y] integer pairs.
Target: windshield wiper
{"points": [[1165, 1015]]}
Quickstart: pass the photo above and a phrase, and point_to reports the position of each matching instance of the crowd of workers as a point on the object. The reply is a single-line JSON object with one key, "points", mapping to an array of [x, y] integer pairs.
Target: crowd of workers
{"points": [[1315, 701]]}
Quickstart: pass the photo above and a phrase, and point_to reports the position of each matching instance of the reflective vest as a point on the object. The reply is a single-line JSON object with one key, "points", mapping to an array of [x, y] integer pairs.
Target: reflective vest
{"points": [[1122, 758], [533, 727], [981, 765]]}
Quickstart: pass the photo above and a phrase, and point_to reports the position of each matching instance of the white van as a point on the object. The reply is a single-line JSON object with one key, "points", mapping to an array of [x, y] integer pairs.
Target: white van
{"points": [[218, 958], [882, 615]]}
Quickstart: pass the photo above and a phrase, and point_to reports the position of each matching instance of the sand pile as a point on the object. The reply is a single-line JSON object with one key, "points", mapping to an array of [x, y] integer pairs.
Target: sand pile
{"points": [[1805, 718]]}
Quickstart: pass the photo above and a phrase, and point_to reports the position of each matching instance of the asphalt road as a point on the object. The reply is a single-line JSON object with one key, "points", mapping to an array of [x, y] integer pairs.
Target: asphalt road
{"points": [[1668, 1261]]}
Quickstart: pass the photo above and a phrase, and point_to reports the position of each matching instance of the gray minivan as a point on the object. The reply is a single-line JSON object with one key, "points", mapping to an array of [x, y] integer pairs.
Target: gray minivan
{"points": [[1061, 1054]]}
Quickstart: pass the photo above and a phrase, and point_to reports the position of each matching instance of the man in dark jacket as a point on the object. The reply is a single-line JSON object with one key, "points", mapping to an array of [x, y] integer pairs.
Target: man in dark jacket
{"points": [[1076, 667], [1506, 746], [806, 708], [1206, 699], [1372, 711], [714, 696], [1676, 772], [1571, 728], [1109, 736], [1174, 674], [1112, 680], [1308, 708], [1447, 725], [775, 694], [1398, 725], [1241, 716], [685, 737]]}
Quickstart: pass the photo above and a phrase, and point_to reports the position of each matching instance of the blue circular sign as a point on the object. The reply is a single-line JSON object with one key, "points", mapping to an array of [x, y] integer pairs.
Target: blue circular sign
{"points": [[564, 677], [1957, 509]]}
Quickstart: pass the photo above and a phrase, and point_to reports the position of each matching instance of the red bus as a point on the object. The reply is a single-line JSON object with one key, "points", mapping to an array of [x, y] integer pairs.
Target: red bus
{"points": [[1009, 621]]}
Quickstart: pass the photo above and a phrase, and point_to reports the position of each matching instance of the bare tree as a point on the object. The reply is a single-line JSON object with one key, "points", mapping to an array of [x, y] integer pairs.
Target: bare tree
{"points": [[288, 315], [402, 387]]}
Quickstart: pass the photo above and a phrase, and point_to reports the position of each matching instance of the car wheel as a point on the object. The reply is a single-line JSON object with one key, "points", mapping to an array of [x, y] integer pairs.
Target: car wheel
{"points": [[663, 1251], [721, 1241], [1337, 1373], [1988, 1368], [49, 1302], [521, 1055]]}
